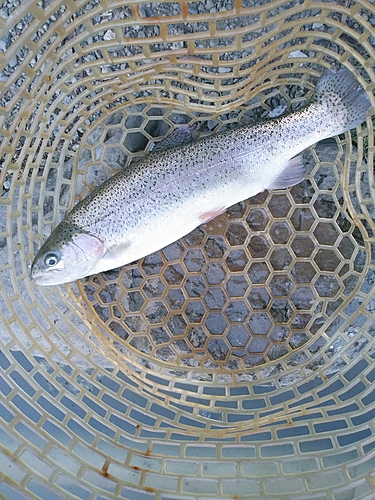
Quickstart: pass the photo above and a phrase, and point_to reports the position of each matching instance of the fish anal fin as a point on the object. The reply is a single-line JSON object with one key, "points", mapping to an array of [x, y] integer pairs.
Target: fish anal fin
{"points": [[292, 174], [211, 214]]}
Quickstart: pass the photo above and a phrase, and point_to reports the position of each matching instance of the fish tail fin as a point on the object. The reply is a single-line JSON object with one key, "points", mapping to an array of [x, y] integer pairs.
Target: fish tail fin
{"points": [[345, 101]]}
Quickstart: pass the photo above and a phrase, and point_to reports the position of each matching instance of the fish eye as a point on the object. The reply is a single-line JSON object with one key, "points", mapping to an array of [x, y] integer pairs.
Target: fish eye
{"points": [[51, 259]]}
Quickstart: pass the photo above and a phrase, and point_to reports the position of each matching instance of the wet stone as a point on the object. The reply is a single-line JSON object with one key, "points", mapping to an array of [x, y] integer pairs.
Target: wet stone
{"points": [[326, 233], [177, 324], [215, 298], [343, 222], [281, 311], [141, 343], [280, 232], [258, 298], [173, 251], [114, 118], [115, 157], [258, 272], [113, 136], [218, 349], [277, 352], [116, 311], [346, 247], [259, 199], [181, 347], [236, 261], [197, 337], [174, 274], [132, 278], [303, 272], [258, 345], [251, 361], [238, 336], [257, 219], [280, 259], [279, 333], [279, 205], [136, 323], [152, 264], [175, 299], [260, 323], [132, 301], [215, 274], [302, 192], [327, 260], [236, 234], [195, 238], [118, 330], [165, 354], [303, 246], [194, 260], [358, 236], [303, 298], [108, 294], [95, 136], [195, 285], [157, 128], [214, 247], [298, 339], [237, 311], [237, 286], [327, 286], [135, 141], [281, 285], [133, 121], [154, 287], [300, 321], [258, 246], [155, 312], [237, 211], [302, 219], [325, 206], [216, 323], [194, 312], [160, 335], [333, 305], [360, 261]]}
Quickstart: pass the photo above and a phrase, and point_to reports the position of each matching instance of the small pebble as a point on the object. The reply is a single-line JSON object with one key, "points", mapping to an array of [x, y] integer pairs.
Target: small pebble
{"points": [[109, 35]]}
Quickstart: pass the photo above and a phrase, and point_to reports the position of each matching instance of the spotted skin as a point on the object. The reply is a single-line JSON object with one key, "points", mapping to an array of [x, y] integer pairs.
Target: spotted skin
{"points": [[166, 195]]}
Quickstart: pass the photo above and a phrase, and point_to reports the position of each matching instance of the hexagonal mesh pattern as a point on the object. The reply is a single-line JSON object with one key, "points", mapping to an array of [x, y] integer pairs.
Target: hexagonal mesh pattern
{"points": [[236, 362], [250, 287]]}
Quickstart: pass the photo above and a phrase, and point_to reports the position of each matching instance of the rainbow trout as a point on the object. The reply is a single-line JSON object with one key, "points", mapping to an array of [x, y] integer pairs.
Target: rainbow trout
{"points": [[166, 195]]}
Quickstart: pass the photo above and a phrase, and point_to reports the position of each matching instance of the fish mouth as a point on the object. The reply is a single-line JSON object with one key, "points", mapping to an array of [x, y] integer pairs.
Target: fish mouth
{"points": [[45, 280]]}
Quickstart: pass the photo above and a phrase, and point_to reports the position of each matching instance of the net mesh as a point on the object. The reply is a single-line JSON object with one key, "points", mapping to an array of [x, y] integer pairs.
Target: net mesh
{"points": [[237, 362]]}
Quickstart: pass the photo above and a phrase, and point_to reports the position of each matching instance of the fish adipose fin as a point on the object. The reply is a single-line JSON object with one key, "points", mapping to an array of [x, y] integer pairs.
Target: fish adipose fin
{"points": [[344, 100], [293, 173]]}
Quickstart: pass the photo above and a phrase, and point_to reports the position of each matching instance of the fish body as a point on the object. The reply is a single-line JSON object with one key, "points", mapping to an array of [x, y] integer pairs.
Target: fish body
{"points": [[166, 195]]}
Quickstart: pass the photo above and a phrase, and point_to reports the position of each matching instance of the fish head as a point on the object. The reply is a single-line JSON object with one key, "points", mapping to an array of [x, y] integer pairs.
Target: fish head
{"points": [[70, 253]]}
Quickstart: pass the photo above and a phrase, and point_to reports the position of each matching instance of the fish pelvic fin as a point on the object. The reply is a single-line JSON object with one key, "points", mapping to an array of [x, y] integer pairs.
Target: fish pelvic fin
{"points": [[345, 101], [293, 173]]}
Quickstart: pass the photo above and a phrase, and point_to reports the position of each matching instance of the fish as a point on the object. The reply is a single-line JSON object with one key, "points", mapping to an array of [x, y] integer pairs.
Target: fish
{"points": [[164, 196]]}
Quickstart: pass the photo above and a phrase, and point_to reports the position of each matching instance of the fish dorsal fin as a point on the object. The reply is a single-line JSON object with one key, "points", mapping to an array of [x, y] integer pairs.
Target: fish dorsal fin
{"points": [[293, 173], [180, 136]]}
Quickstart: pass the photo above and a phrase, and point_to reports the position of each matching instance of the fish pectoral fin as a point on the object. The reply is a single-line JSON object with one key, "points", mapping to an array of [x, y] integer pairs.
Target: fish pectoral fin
{"points": [[116, 253], [293, 173], [211, 214]]}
